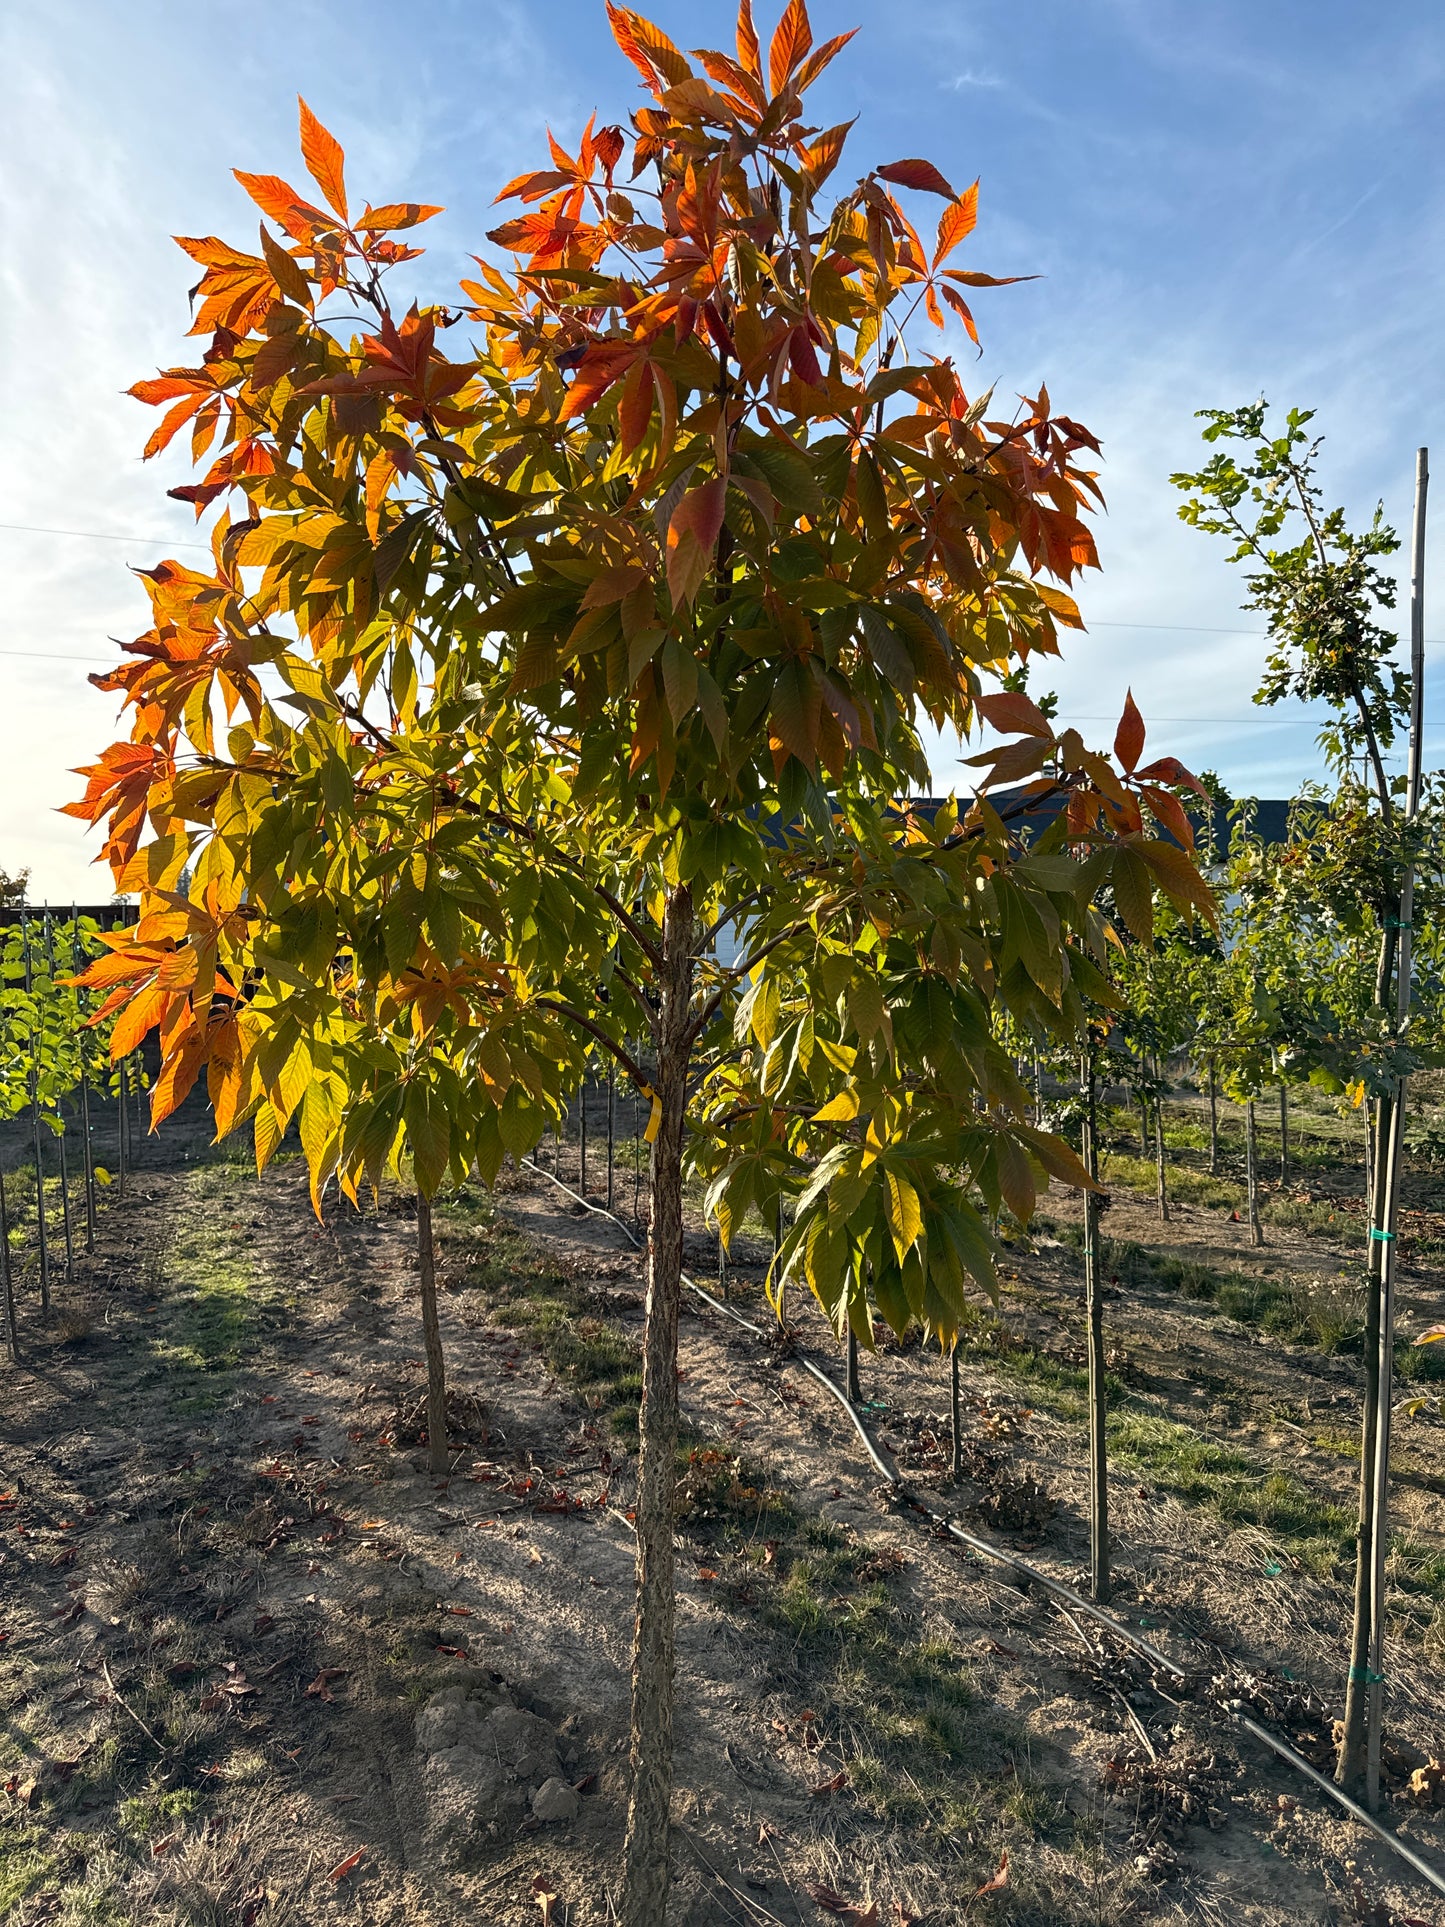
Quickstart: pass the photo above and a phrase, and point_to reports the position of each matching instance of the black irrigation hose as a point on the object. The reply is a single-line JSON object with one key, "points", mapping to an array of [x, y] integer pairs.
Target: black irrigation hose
{"points": [[1056, 1587]]}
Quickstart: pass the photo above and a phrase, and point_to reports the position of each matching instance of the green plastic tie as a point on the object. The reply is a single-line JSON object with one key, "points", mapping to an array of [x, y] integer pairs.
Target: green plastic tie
{"points": [[1364, 1676], [1382, 1237]]}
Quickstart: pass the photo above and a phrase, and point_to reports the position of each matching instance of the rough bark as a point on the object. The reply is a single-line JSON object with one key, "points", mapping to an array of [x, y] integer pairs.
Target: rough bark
{"points": [[645, 1878], [436, 1370]]}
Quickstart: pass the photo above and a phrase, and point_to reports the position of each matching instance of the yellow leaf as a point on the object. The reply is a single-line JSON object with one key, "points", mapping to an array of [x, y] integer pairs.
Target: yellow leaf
{"points": [[841, 1109], [905, 1214]]}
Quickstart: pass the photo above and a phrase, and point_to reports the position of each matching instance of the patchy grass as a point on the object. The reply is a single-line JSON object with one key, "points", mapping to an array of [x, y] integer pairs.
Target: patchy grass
{"points": [[563, 1320], [1185, 1185], [1232, 1485], [1325, 1312], [1054, 1384]]}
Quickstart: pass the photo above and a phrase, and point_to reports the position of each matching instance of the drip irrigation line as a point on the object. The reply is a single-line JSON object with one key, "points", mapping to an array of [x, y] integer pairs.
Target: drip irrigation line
{"points": [[1287, 1753], [1055, 1587]]}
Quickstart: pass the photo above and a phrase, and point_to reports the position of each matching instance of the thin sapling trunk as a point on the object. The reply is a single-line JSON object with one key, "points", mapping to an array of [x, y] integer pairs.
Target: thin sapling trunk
{"points": [[1161, 1173], [956, 1407], [1251, 1175], [436, 1373], [1098, 1396], [7, 1279], [1283, 1133], [1213, 1122], [854, 1391], [1352, 1761]]}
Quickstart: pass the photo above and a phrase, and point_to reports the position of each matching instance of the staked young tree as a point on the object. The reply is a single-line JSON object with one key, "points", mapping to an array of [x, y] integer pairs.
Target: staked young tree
{"points": [[1322, 588], [528, 673]]}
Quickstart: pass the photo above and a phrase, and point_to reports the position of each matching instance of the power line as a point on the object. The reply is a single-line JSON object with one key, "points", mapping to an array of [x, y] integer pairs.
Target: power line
{"points": [[52, 655], [1102, 622], [102, 535]]}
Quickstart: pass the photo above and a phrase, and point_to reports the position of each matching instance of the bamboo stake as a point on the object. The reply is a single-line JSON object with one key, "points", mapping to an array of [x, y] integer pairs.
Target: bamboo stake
{"points": [[1283, 1133], [1098, 1396], [854, 1390], [582, 1138], [1386, 1234], [1160, 1173]]}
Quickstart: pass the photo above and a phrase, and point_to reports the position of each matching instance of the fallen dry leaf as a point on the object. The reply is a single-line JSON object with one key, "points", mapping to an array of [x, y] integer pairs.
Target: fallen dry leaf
{"points": [[835, 1785], [545, 1895], [833, 1902], [320, 1687], [348, 1865], [999, 1880]]}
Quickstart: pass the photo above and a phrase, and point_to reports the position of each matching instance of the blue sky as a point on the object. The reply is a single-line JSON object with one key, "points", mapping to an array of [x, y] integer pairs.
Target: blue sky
{"points": [[1220, 199]]}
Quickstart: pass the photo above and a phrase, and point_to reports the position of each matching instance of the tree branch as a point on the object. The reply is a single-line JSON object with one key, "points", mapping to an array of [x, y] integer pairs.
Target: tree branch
{"points": [[596, 1031]]}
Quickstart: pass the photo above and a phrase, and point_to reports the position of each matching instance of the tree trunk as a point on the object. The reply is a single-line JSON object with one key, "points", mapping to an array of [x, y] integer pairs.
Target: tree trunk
{"points": [[1143, 1128], [1251, 1175], [1163, 1181], [1098, 1397], [1379, 1469], [89, 1163], [611, 1128], [1350, 1770], [1213, 1122], [7, 1278], [65, 1210], [646, 1878], [854, 1390], [40, 1200], [956, 1401], [1283, 1133], [436, 1370]]}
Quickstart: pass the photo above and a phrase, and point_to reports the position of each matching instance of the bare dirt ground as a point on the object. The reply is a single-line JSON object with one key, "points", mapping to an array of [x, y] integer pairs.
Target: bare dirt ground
{"points": [[259, 1667]]}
